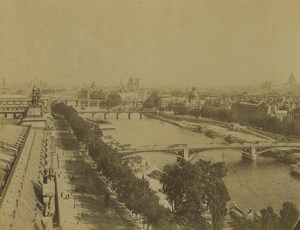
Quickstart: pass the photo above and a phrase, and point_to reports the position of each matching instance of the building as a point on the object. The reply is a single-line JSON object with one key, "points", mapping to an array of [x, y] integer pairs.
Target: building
{"points": [[292, 80], [13, 105], [137, 83], [280, 114], [133, 84], [248, 110]]}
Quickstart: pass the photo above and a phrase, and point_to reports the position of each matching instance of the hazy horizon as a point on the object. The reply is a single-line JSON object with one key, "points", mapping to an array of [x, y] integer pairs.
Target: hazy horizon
{"points": [[164, 43]]}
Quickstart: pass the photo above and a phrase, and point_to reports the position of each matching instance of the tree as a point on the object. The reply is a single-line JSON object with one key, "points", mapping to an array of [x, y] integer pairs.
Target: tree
{"points": [[246, 224], [288, 216], [113, 100], [193, 189], [180, 109], [97, 131], [191, 96], [215, 190], [152, 101], [83, 93], [269, 219], [196, 112], [172, 185], [98, 95], [170, 106], [190, 217], [217, 197], [134, 192]]}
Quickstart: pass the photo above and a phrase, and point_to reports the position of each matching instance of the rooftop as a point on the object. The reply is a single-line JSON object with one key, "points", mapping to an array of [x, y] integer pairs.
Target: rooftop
{"points": [[11, 134]]}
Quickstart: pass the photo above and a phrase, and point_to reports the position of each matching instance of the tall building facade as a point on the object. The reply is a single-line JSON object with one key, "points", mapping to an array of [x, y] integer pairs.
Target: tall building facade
{"points": [[133, 84]]}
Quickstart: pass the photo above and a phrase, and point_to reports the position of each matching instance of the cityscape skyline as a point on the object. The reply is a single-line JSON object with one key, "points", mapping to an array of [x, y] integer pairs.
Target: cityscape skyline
{"points": [[161, 115], [162, 43]]}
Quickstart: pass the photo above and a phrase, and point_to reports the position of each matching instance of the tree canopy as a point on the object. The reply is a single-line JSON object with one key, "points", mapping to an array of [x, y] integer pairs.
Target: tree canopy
{"points": [[133, 191], [113, 100], [153, 101], [193, 189]]}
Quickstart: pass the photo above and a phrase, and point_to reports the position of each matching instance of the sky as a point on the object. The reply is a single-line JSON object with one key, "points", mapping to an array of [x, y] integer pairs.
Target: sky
{"points": [[162, 42]]}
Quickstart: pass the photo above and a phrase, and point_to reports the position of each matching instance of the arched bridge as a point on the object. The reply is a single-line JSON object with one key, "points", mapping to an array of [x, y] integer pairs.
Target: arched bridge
{"points": [[87, 102], [187, 152], [129, 112]]}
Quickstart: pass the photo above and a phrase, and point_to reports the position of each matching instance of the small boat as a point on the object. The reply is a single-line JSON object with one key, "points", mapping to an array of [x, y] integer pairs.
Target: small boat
{"points": [[198, 129], [295, 168], [237, 212], [229, 139], [210, 133]]}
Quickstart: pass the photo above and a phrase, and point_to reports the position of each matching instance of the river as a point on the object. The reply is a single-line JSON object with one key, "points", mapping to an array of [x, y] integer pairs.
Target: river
{"points": [[251, 184]]}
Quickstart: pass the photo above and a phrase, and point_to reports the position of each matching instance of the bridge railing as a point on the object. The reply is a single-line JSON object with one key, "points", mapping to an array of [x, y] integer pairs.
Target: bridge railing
{"points": [[212, 145]]}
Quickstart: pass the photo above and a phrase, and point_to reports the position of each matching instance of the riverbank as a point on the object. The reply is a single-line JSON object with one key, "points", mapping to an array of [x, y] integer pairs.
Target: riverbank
{"points": [[285, 156], [262, 182], [144, 168], [102, 124], [240, 133], [98, 120]]}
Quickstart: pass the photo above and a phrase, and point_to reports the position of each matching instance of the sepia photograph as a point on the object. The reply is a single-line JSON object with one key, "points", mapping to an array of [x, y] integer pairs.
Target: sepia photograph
{"points": [[149, 114]]}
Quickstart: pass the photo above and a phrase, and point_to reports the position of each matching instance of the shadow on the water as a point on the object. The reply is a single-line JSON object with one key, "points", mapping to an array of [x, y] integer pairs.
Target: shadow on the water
{"points": [[244, 162]]}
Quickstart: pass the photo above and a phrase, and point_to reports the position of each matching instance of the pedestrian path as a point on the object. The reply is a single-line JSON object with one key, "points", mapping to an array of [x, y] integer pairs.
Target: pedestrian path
{"points": [[81, 194], [68, 210]]}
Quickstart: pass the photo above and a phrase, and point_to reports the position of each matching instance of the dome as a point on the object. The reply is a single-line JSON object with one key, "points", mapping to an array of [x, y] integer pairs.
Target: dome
{"points": [[292, 79]]}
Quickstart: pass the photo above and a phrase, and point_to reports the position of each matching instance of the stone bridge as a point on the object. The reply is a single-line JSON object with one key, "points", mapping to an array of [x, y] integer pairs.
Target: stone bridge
{"points": [[129, 112], [87, 102], [188, 152]]}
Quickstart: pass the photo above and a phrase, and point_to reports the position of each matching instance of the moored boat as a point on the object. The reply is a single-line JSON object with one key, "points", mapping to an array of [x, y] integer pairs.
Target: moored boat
{"points": [[210, 133], [295, 168], [198, 129], [236, 212], [229, 139]]}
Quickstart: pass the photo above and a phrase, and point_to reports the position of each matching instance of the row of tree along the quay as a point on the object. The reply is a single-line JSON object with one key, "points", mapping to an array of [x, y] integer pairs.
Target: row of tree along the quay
{"points": [[195, 191], [133, 191]]}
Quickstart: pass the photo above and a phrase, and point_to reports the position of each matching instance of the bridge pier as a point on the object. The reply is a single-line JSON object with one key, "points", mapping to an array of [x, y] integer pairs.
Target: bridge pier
{"points": [[251, 154], [186, 154], [129, 115]]}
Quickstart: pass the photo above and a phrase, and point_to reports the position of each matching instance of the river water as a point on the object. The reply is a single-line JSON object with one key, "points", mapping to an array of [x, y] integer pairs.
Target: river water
{"points": [[251, 184]]}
